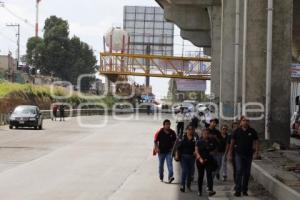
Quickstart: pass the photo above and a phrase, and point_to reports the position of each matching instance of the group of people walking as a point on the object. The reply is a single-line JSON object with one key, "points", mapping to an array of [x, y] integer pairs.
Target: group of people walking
{"points": [[58, 110], [208, 151]]}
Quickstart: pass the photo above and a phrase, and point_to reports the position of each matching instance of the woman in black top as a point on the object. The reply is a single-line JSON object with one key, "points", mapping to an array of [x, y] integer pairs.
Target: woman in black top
{"points": [[205, 161], [186, 149]]}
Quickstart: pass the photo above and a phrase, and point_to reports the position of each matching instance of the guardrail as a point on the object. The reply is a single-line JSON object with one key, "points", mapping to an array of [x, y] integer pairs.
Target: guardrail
{"points": [[3, 119], [47, 114]]}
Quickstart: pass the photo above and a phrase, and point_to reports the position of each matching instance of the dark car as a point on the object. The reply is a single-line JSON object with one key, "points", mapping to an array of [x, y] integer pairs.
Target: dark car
{"points": [[26, 116]]}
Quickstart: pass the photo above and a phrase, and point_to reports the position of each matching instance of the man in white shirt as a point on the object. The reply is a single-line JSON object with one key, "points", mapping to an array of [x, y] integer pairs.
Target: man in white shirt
{"points": [[180, 117]]}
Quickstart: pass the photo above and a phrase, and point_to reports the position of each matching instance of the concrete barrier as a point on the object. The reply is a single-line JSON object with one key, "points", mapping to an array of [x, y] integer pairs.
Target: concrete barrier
{"points": [[3, 119], [271, 184], [47, 114]]}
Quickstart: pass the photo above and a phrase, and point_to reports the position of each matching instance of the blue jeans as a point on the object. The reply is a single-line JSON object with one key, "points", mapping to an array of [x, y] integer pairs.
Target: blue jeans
{"points": [[243, 171], [162, 157], [188, 168], [224, 165]]}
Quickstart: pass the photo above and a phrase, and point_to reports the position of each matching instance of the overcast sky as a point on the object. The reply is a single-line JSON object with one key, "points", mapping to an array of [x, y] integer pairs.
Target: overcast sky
{"points": [[88, 20]]}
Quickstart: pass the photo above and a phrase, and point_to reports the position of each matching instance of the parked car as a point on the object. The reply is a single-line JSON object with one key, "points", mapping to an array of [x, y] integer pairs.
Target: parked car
{"points": [[176, 109], [202, 108], [26, 116], [123, 108]]}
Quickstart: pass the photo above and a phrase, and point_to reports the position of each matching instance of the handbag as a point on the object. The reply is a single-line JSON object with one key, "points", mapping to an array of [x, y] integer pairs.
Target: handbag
{"points": [[177, 156]]}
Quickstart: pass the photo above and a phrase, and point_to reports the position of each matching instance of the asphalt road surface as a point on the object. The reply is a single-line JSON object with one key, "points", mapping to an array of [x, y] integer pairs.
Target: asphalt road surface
{"points": [[84, 159], [89, 158]]}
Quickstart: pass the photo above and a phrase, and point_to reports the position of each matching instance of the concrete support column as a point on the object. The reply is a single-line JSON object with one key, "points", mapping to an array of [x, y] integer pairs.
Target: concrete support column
{"points": [[227, 59], [296, 31], [215, 19], [281, 59], [256, 56]]}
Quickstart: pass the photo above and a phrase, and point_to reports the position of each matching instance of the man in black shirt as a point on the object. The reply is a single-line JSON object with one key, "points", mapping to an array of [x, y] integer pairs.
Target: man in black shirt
{"points": [[213, 131], [164, 143], [245, 143]]}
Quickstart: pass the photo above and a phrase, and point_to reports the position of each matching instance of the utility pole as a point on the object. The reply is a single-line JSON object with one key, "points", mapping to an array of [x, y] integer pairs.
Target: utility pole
{"points": [[37, 19], [148, 52], [18, 41]]}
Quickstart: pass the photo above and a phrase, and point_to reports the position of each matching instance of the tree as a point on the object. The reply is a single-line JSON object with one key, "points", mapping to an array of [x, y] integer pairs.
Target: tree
{"points": [[59, 55], [34, 53], [83, 62], [56, 39]]}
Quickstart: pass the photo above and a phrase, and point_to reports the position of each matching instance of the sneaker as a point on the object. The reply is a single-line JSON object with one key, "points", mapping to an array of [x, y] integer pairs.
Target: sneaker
{"points": [[182, 189], [211, 193], [161, 179], [245, 193], [237, 194], [189, 188], [171, 179]]}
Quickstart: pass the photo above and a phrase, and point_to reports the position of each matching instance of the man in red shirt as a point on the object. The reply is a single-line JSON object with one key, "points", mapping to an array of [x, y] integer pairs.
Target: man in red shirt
{"points": [[164, 143]]}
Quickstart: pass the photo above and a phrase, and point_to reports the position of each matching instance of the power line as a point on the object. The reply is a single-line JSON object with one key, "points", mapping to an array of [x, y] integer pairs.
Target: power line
{"points": [[2, 4]]}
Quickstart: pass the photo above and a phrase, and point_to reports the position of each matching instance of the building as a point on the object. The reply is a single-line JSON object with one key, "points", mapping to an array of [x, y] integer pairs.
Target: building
{"points": [[8, 66]]}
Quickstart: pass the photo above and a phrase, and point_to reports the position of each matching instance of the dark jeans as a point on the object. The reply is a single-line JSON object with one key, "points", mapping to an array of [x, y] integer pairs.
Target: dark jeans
{"points": [[218, 159], [233, 167], [243, 171], [54, 115], [209, 176], [187, 166], [62, 116], [162, 157], [180, 127]]}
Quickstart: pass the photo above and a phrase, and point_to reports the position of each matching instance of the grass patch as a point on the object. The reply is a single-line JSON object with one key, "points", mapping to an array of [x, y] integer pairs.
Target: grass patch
{"points": [[45, 92], [7, 88]]}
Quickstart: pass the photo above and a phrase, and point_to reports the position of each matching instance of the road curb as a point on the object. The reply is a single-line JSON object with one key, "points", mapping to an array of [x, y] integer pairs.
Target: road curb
{"points": [[275, 187], [295, 141]]}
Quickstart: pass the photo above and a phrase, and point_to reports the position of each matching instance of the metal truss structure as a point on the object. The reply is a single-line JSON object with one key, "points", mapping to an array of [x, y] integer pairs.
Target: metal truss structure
{"points": [[155, 66]]}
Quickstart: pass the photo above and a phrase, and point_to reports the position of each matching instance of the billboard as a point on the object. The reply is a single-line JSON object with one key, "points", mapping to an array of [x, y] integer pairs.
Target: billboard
{"points": [[184, 85], [295, 70], [147, 27]]}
